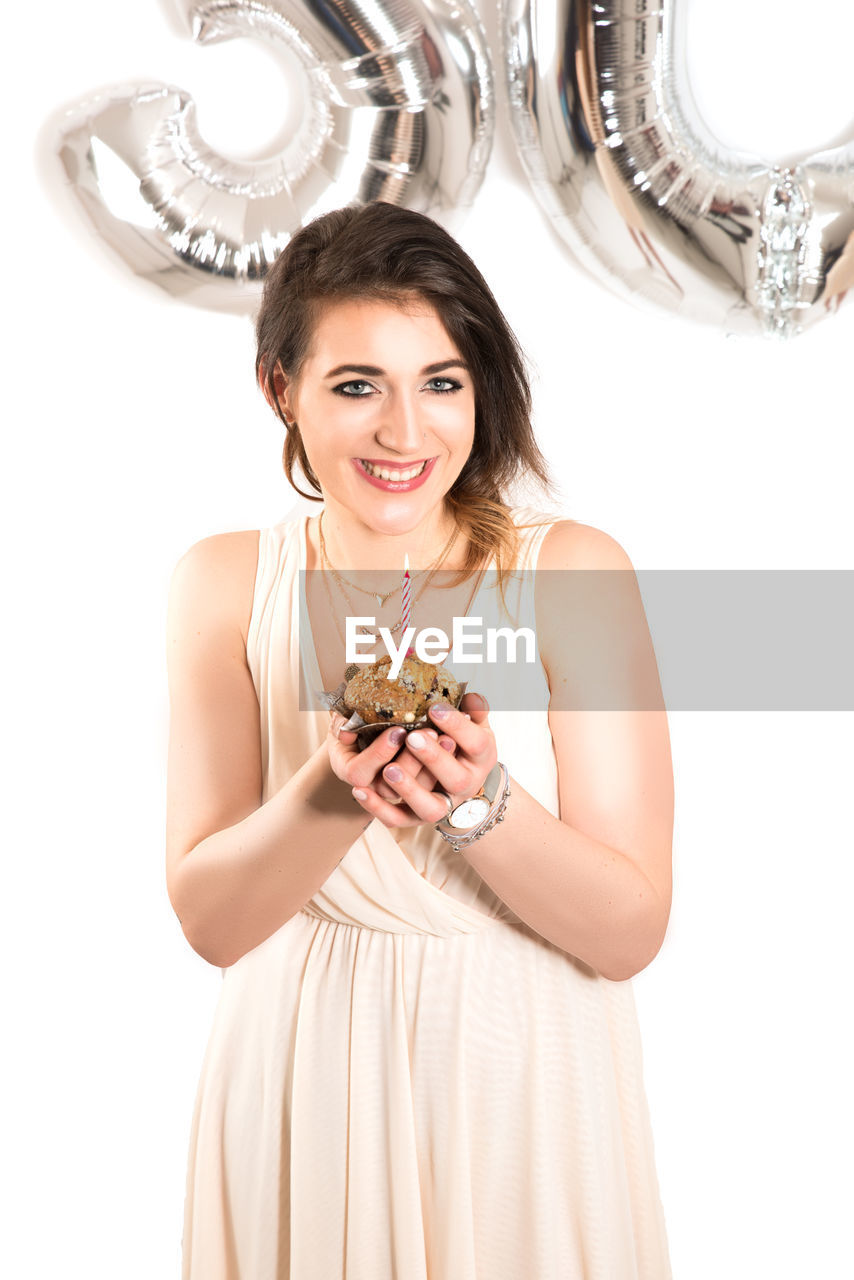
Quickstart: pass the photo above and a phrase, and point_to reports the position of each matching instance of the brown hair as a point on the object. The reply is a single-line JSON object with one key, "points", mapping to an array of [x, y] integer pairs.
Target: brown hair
{"points": [[383, 252]]}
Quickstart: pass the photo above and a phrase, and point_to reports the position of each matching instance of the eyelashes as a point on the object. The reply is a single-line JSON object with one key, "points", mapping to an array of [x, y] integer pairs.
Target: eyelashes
{"points": [[347, 389], [451, 384], [365, 389]]}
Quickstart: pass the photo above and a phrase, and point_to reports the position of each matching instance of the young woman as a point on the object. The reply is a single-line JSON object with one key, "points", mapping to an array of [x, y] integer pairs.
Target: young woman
{"points": [[425, 1061]]}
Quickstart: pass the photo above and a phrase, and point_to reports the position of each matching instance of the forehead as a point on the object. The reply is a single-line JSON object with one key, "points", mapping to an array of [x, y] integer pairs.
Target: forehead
{"points": [[362, 330]]}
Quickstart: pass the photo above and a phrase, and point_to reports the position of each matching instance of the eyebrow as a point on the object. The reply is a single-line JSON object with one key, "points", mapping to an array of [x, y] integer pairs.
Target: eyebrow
{"points": [[374, 371]]}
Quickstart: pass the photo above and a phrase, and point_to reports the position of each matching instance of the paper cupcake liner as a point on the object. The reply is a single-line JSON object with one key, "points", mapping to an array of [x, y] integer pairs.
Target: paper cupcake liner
{"points": [[333, 700]]}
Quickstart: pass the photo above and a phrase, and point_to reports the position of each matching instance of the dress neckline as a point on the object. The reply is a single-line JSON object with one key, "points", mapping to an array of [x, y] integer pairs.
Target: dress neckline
{"points": [[306, 637]]}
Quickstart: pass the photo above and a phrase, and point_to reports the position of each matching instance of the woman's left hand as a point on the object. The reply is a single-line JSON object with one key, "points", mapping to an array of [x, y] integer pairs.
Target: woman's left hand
{"points": [[460, 774]]}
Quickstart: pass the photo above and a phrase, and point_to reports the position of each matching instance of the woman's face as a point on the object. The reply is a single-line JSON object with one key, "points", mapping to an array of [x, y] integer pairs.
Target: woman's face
{"points": [[384, 389]]}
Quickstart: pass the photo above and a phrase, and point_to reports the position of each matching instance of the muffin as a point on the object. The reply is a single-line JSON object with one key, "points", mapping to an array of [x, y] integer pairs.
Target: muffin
{"points": [[404, 699]]}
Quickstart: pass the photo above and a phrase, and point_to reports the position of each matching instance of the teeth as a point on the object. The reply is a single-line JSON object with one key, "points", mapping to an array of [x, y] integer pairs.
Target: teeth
{"points": [[395, 476]]}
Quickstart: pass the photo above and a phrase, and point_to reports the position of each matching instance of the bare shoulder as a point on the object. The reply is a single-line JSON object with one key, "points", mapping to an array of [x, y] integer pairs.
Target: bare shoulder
{"points": [[215, 579], [570, 545], [590, 613]]}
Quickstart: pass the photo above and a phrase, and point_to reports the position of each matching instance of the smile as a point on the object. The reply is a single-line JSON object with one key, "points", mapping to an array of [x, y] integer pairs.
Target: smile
{"points": [[395, 480]]}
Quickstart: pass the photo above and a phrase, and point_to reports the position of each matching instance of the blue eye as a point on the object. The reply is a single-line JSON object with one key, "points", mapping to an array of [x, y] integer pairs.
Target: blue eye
{"points": [[447, 384], [355, 387]]}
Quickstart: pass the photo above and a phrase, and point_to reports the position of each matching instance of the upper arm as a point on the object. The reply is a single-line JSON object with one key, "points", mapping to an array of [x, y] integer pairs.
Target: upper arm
{"points": [[606, 713], [214, 769]]}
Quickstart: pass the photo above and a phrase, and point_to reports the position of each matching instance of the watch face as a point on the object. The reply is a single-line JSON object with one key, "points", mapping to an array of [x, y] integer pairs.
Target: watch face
{"points": [[469, 813]]}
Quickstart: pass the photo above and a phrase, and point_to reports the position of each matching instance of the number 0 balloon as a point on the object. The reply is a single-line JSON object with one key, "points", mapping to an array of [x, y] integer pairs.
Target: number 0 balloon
{"points": [[400, 108], [641, 192]]}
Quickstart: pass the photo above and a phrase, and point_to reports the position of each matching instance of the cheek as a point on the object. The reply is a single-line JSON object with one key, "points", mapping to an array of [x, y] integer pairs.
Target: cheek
{"points": [[467, 427], [328, 424], [334, 442], [455, 417]]}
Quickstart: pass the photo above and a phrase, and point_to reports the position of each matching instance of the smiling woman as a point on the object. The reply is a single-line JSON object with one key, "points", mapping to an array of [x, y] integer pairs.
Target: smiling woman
{"points": [[383, 262], [425, 1060], [391, 394]]}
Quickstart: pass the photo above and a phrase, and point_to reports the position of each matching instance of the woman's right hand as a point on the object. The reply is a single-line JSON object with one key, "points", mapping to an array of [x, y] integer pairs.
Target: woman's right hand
{"points": [[364, 768]]}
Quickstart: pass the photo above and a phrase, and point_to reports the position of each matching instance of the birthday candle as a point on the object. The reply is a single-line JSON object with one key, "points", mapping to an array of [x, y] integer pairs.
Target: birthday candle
{"points": [[406, 599]]}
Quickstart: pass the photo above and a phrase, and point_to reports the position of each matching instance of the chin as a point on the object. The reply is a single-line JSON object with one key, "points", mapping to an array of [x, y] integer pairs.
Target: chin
{"points": [[395, 522]]}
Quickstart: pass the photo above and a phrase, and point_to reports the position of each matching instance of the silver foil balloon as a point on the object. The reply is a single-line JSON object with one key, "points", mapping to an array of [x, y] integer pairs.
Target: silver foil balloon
{"points": [[400, 108], [640, 190]]}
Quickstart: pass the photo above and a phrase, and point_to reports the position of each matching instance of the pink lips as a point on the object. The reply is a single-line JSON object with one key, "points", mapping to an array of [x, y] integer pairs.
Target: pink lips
{"points": [[391, 486]]}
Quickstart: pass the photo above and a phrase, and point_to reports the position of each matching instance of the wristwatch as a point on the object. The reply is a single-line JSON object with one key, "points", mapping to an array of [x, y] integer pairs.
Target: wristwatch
{"points": [[473, 818]]}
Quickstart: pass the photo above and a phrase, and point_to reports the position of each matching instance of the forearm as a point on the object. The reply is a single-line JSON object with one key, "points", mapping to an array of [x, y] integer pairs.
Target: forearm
{"points": [[241, 884], [587, 898]]}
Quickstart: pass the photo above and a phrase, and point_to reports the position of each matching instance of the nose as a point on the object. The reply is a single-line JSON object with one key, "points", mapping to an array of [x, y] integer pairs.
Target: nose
{"points": [[401, 431]]}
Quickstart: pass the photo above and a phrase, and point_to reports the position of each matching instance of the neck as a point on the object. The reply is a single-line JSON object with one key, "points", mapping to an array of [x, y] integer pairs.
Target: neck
{"points": [[351, 544]]}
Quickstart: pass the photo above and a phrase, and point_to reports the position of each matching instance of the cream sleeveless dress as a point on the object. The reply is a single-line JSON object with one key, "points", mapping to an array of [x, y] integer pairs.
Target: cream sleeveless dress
{"points": [[405, 1082]]}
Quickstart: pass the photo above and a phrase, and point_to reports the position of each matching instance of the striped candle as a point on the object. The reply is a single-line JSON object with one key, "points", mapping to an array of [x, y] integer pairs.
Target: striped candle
{"points": [[406, 599]]}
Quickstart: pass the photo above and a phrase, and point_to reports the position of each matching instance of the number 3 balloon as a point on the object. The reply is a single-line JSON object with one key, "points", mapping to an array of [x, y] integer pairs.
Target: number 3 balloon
{"points": [[640, 191], [400, 109]]}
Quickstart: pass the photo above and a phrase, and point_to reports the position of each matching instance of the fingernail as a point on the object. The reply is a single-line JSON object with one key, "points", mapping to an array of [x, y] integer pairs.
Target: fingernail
{"points": [[440, 711], [417, 740], [393, 773], [396, 736], [359, 795], [482, 704], [447, 743]]}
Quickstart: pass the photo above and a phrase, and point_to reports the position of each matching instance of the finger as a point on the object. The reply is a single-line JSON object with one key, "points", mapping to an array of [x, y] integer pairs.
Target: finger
{"points": [[426, 805], [409, 760], [385, 792], [417, 768], [368, 763], [336, 735], [476, 706], [342, 749], [474, 738], [424, 776], [413, 765], [454, 774], [335, 721], [384, 811]]}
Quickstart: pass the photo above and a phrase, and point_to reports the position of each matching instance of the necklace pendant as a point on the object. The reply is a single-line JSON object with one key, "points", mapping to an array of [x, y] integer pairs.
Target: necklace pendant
{"points": [[381, 599]]}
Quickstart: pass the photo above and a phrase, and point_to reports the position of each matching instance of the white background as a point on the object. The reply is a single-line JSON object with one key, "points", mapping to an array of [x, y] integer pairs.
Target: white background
{"points": [[133, 428]]}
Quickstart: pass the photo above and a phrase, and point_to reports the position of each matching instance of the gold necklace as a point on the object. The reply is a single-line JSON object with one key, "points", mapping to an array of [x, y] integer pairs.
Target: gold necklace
{"points": [[338, 577], [352, 607], [379, 596]]}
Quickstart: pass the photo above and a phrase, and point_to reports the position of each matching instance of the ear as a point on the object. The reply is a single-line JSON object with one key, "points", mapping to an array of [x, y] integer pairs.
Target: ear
{"points": [[282, 388]]}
